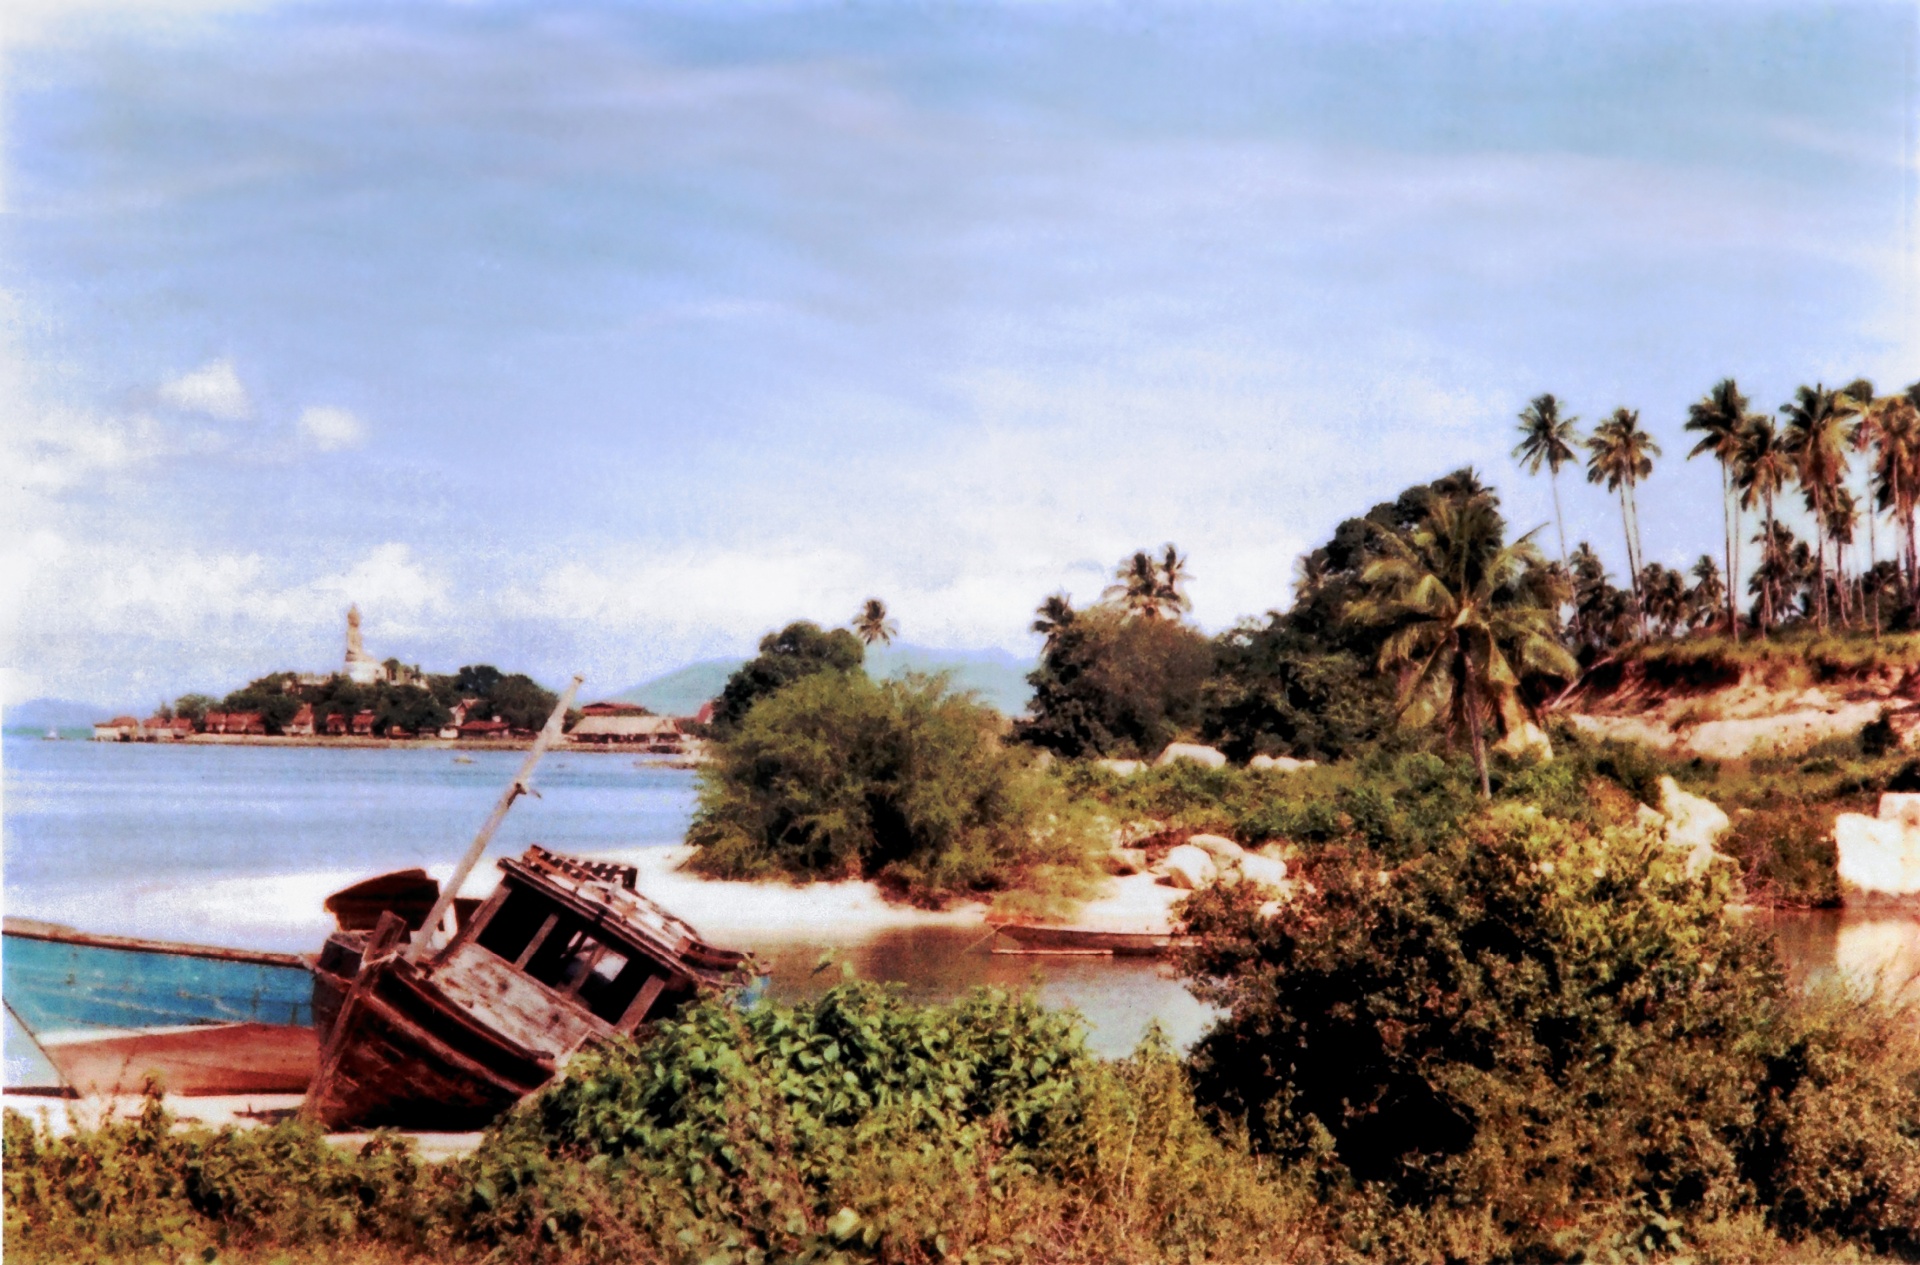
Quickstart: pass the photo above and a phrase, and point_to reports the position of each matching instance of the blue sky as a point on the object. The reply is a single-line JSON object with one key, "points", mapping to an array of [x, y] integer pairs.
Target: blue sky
{"points": [[607, 337]]}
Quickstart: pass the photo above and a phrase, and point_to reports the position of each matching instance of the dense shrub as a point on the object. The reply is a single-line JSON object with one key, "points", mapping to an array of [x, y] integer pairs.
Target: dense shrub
{"points": [[863, 1124], [838, 776], [1528, 1022], [138, 1190], [801, 649]]}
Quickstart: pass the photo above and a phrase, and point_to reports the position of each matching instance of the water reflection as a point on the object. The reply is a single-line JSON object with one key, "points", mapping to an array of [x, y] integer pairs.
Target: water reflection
{"points": [[1869, 950], [1120, 997]]}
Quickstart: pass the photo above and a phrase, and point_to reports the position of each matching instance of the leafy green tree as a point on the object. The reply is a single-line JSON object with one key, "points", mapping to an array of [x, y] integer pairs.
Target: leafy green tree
{"points": [[1548, 439], [194, 707], [799, 650], [1719, 418], [872, 624], [1464, 616], [1109, 684], [1603, 616], [1275, 690], [839, 776]]}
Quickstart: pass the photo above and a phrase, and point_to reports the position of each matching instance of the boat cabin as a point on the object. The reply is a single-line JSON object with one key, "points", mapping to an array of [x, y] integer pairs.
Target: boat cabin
{"points": [[566, 953]]}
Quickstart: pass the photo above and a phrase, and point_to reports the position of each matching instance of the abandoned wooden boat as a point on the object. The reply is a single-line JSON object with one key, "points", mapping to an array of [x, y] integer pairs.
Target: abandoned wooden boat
{"points": [[566, 953], [437, 1025], [1087, 940], [110, 1011]]}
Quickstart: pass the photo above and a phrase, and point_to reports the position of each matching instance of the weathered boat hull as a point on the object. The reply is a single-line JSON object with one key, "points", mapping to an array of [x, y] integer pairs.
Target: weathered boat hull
{"points": [[401, 1054], [1088, 940], [206, 1059], [108, 1011]]}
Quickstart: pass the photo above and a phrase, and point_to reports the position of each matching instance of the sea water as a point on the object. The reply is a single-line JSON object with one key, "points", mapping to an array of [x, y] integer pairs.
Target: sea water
{"points": [[240, 845]]}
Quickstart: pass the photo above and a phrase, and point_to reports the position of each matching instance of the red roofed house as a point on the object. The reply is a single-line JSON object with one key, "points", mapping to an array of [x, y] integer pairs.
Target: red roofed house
{"points": [[301, 726], [363, 724], [483, 729], [336, 724]]}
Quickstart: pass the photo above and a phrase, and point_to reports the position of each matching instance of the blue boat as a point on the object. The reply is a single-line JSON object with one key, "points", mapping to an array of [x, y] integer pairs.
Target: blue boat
{"points": [[111, 1011]]}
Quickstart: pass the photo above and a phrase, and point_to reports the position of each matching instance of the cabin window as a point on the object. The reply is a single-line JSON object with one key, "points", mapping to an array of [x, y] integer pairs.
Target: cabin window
{"points": [[514, 925], [568, 959]]}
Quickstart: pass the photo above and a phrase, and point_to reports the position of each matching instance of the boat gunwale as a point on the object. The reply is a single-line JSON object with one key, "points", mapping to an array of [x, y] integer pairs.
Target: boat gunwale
{"points": [[52, 933]]}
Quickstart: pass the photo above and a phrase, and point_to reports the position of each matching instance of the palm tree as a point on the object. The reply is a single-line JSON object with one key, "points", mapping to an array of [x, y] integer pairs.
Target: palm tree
{"points": [[872, 624], [1718, 417], [1860, 403], [1052, 616], [1763, 470], [1465, 615], [1708, 596], [1816, 438], [1896, 470], [1843, 514], [1548, 439], [1173, 581], [1622, 455]]}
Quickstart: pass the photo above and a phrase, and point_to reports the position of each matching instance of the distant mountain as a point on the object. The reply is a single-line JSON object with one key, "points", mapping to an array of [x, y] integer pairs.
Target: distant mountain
{"points": [[999, 678], [54, 713], [681, 692]]}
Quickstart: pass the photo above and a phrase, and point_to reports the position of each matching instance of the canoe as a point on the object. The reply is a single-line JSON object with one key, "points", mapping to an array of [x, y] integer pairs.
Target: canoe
{"points": [[108, 1011], [1089, 941]]}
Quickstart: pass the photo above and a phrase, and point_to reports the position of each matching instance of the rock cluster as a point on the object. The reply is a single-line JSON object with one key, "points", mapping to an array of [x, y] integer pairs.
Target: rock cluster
{"points": [[1880, 856], [1207, 859]]}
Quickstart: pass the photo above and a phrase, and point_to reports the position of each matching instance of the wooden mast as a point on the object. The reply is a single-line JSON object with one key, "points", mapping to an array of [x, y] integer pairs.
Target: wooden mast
{"points": [[549, 734]]}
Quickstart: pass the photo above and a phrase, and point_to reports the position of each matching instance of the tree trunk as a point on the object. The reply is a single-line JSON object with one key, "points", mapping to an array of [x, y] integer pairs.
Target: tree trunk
{"points": [[1766, 585], [1730, 516], [1553, 477], [1475, 726]]}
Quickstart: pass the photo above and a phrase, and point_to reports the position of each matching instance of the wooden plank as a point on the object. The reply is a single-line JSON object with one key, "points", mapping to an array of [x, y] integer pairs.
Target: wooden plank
{"points": [[533, 945], [476, 924], [636, 1013], [61, 935]]}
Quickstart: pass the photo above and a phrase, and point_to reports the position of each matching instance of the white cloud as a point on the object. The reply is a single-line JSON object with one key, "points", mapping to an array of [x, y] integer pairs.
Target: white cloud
{"points": [[332, 429], [214, 389]]}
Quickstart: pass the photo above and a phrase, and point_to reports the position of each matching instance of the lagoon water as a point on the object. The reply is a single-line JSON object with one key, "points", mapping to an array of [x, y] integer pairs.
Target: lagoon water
{"points": [[239, 845]]}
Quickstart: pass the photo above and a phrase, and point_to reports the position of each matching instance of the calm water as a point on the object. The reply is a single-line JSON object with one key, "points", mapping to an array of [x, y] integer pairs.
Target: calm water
{"points": [[239, 845]]}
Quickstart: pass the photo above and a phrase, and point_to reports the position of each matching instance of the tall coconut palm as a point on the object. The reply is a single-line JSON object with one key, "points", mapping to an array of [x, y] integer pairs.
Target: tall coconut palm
{"points": [[1763, 470], [1864, 409], [1466, 616], [1547, 439], [1173, 581], [1816, 437], [1842, 517], [1896, 471], [1707, 599], [1718, 418], [1621, 456], [872, 624], [1052, 616]]}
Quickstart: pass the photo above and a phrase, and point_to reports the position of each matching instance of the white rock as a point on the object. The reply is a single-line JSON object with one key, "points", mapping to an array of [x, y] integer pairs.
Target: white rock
{"points": [[1877, 857], [1124, 861], [1262, 871], [1649, 818], [1189, 868], [1122, 768], [1281, 763], [1693, 824], [1219, 847], [1526, 738], [1900, 806], [1193, 751]]}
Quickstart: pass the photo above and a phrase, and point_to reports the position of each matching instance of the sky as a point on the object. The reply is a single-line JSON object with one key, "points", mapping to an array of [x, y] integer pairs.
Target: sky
{"points": [[608, 337]]}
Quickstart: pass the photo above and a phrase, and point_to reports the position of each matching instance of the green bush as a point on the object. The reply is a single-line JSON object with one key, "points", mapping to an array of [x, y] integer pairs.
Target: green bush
{"points": [[1529, 1027], [838, 776], [862, 1125]]}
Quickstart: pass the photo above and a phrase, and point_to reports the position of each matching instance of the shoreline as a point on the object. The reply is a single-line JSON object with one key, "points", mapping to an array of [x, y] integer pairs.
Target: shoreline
{"points": [[686, 760]]}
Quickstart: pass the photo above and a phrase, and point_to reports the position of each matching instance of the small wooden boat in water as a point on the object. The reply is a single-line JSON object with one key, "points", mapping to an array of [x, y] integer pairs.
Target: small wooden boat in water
{"points": [[110, 1011], [1089, 941], [565, 954]]}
